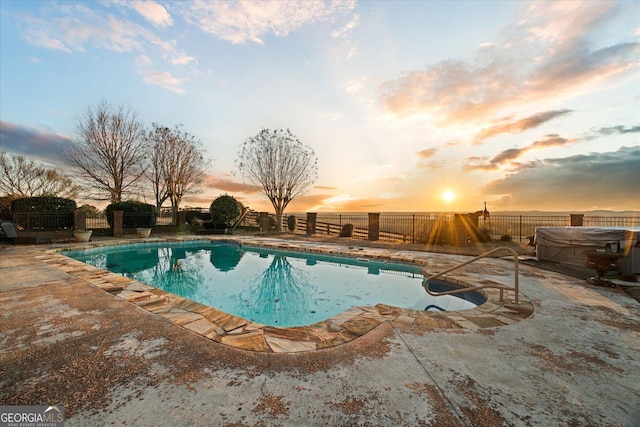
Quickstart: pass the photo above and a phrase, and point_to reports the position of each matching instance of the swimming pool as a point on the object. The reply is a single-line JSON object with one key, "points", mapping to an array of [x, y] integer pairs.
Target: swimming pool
{"points": [[269, 286]]}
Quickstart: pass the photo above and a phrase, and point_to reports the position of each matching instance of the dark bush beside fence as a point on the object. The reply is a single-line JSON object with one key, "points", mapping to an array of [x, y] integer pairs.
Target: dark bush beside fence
{"points": [[135, 214], [225, 209], [43, 204], [44, 213]]}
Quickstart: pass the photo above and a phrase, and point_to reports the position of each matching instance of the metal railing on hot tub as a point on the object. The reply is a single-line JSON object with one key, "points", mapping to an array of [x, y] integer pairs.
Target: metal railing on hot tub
{"points": [[502, 288]]}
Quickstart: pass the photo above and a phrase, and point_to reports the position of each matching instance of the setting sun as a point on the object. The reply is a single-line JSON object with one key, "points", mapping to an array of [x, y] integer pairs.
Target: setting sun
{"points": [[448, 196]]}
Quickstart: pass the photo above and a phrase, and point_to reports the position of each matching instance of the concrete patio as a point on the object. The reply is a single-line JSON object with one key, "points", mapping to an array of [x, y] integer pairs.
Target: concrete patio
{"points": [[574, 361]]}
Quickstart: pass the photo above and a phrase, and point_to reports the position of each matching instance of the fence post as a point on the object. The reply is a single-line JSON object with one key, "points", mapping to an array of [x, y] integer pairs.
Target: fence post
{"points": [[520, 234], [79, 220], [118, 224], [413, 228], [374, 226], [577, 220], [182, 218], [311, 223], [264, 221]]}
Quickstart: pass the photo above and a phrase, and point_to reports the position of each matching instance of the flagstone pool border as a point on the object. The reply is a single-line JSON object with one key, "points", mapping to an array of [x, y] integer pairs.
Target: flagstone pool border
{"points": [[241, 333]]}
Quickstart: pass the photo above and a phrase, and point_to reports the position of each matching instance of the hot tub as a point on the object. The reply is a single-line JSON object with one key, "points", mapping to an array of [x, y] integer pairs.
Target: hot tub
{"points": [[566, 245]]}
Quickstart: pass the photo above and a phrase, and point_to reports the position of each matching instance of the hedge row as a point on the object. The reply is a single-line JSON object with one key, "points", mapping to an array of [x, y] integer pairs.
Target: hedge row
{"points": [[43, 204]]}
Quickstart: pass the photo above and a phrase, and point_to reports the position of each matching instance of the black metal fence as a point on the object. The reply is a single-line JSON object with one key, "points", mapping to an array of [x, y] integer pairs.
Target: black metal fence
{"points": [[417, 228], [29, 221], [611, 221], [407, 228], [97, 222]]}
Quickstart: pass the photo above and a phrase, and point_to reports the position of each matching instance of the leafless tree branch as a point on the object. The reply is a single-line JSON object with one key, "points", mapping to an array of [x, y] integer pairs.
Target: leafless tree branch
{"points": [[278, 163], [110, 153], [22, 177]]}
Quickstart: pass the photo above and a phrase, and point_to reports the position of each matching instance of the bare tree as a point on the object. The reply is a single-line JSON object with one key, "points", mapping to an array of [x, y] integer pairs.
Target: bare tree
{"points": [[278, 163], [109, 156], [22, 177], [178, 165], [158, 138]]}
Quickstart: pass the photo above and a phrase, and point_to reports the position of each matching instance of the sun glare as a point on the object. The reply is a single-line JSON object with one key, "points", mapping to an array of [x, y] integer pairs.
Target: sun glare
{"points": [[448, 196]]}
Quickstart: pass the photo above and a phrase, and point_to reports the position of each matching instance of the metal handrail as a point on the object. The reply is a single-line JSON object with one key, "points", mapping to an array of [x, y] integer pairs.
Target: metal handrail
{"points": [[515, 288]]}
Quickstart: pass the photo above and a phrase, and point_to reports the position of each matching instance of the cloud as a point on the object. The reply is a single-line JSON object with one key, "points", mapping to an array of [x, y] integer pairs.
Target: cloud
{"points": [[348, 47], [343, 203], [585, 181], [425, 160], [151, 11], [163, 79], [508, 157], [159, 78], [347, 29], [182, 59], [613, 130], [333, 116], [73, 27], [550, 54], [518, 126], [143, 61], [78, 26], [31, 142], [434, 164], [425, 154], [228, 185], [37, 35], [354, 86], [242, 21], [308, 203]]}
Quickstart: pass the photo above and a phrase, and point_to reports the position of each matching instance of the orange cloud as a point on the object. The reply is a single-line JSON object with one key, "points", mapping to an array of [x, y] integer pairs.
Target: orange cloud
{"points": [[425, 163], [510, 155], [518, 126], [425, 154], [228, 185], [359, 205], [549, 55]]}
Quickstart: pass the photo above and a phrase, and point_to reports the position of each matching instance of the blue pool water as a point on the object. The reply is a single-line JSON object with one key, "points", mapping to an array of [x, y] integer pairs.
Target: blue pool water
{"points": [[271, 287]]}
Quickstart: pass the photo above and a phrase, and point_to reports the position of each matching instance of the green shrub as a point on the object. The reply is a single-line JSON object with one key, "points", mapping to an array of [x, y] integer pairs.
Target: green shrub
{"points": [[90, 211], [5, 206], [225, 210], [347, 230], [136, 214], [43, 213], [43, 204], [291, 223]]}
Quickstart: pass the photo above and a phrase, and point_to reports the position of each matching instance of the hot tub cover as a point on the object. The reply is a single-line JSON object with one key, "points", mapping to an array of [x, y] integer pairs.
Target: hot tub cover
{"points": [[587, 236]]}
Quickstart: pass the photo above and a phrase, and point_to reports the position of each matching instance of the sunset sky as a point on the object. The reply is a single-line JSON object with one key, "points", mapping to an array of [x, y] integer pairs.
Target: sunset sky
{"points": [[524, 105]]}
